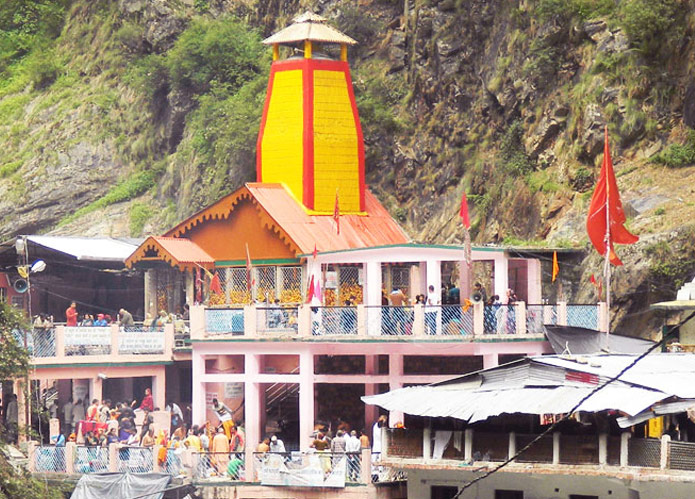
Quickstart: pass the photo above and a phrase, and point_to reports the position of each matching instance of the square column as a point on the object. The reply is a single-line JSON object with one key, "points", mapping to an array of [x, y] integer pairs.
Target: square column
{"points": [[95, 388], [533, 273], [434, 276], [306, 399], [501, 277], [395, 382], [198, 392], [371, 412], [159, 385], [252, 410], [372, 286]]}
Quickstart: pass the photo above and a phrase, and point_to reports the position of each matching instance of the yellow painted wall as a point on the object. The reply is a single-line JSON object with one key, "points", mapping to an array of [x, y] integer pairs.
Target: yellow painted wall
{"points": [[336, 160], [282, 149], [227, 239]]}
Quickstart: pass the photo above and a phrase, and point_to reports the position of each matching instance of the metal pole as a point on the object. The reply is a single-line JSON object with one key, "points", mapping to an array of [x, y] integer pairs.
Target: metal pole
{"points": [[607, 263]]}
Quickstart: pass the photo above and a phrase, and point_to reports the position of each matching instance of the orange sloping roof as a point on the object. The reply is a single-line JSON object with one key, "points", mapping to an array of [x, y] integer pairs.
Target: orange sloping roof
{"points": [[375, 228], [178, 252]]}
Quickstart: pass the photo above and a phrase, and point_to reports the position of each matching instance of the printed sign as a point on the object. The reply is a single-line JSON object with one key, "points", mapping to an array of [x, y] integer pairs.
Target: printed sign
{"points": [[139, 342], [304, 470], [209, 396], [78, 336], [233, 390]]}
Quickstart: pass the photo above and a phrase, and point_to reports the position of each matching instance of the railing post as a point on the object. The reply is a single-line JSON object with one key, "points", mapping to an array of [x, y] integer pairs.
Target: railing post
{"points": [[113, 458], [197, 322], [556, 447], [419, 320], [114, 339], [250, 320], [468, 445], [663, 463], [478, 318], [602, 316], [602, 449], [520, 311], [31, 451], [361, 320], [561, 313], [366, 466], [304, 321], [512, 445], [249, 463], [156, 468], [427, 442], [70, 457], [60, 341], [624, 448]]}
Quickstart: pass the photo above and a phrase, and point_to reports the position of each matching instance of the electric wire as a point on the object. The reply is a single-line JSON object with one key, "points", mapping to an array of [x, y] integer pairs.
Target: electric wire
{"points": [[666, 336]]}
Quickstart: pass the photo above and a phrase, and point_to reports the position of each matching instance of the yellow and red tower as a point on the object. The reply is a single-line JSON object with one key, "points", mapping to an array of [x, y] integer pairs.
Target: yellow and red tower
{"points": [[310, 137]]}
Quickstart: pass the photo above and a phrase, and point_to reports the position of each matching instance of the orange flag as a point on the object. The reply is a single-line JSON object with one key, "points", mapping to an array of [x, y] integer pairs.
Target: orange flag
{"points": [[336, 213], [556, 267], [606, 195]]}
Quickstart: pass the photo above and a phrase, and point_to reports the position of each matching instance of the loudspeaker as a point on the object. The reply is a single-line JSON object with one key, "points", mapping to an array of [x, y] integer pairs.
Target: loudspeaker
{"points": [[477, 297], [21, 285]]}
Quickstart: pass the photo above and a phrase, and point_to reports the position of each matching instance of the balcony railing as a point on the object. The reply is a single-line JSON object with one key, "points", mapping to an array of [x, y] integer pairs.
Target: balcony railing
{"points": [[431, 446], [459, 322], [359, 467], [98, 344]]}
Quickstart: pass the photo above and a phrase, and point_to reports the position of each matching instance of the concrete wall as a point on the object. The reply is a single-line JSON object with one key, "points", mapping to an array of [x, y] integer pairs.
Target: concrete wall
{"points": [[391, 491]]}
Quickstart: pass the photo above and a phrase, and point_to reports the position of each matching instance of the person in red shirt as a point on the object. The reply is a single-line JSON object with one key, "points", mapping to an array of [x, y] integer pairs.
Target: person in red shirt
{"points": [[71, 315], [147, 403]]}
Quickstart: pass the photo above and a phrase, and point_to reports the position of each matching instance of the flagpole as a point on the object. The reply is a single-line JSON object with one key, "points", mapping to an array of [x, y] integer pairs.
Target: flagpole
{"points": [[607, 263]]}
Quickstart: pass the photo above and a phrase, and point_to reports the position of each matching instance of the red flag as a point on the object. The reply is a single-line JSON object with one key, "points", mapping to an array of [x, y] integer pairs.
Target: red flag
{"points": [[310, 290], [315, 253], [463, 213], [336, 213], [215, 285], [607, 189], [556, 266]]}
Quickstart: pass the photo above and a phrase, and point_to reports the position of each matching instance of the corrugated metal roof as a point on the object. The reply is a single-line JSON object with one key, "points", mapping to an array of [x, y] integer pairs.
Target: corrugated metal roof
{"points": [[655, 378], [178, 252], [98, 249], [375, 228], [309, 26]]}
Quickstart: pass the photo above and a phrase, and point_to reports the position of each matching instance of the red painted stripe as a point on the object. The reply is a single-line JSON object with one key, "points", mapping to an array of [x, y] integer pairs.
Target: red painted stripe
{"points": [[308, 82]]}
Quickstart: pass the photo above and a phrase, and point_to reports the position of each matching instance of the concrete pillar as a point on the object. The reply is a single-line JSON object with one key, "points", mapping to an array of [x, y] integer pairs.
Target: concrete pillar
{"points": [[395, 382], [534, 291], [113, 458], [250, 320], [361, 320], [602, 449], [304, 321], [197, 322], [151, 293], [624, 446], [561, 313], [60, 342], [31, 451], [372, 286], [512, 445], [556, 447], [520, 311], [465, 280], [491, 360], [663, 463], [252, 411], [468, 445], [478, 319], [366, 466], [603, 316], [434, 275], [53, 427], [159, 387], [501, 276], [198, 392], [419, 320], [169, 340], [427, 441], [306, 399], [96, 389], [371, 412], [70, 457]]}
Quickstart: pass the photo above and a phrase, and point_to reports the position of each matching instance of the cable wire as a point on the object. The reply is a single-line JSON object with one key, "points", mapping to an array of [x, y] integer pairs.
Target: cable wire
{"points": [[666, 336]]}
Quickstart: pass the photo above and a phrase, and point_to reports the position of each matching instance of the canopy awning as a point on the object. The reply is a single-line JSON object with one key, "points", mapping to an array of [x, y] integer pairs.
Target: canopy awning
{"points": [[98, 249], [177, 252]]}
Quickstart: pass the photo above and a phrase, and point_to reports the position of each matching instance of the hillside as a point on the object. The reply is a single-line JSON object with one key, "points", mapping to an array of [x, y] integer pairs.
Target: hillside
{"points": [[122, 117]]}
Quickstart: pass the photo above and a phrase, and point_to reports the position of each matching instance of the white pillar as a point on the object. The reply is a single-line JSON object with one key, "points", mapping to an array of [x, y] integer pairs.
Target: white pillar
{"points": [[306, 399], [556, 447], [252, 411], [427, 441], [491, 360], [602, 448], [512, 445], [501, 276], [534, 291], [372, 286], [468, 444], [198, 392], [395, 382], [371, 412], [663, 463], [434, 276], [624, 446]]}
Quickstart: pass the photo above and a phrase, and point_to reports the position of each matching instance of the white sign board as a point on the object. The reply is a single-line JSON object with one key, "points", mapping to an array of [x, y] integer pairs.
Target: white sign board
{"points": [[233, 390], [79, 336], [140, 342], [304, 470]]}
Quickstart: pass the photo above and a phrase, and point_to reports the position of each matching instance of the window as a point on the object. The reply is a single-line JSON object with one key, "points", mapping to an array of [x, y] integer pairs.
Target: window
{"points": [[443, 492], [509, 494], [18, 301]]}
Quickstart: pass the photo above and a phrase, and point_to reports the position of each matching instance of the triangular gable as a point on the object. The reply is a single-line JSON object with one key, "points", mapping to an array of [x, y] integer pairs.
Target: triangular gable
{"points": [[177, 252]]}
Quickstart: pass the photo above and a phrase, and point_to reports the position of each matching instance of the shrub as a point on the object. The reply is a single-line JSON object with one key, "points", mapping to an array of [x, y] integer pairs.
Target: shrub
{"points": [[653, 25], [513, 151], [42, 68], [139, 215], [677, 155]]}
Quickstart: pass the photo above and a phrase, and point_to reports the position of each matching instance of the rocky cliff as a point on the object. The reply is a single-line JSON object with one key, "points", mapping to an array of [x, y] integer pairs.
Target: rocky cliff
{"points": [[123, 117]]}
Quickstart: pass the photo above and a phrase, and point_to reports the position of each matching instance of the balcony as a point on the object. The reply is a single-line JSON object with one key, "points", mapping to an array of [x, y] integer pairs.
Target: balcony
{"points": [[91, 345], [450, 450], [388, 323]]}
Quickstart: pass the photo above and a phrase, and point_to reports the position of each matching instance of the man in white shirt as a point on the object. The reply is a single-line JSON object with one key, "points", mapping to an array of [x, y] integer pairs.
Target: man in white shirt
{"points": [[277, 445], [433, 300]]}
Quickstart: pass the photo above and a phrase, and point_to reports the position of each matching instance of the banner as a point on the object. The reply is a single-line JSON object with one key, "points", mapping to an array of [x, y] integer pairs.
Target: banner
{"points": [[140, 342], [78, 336], [304, 470]]}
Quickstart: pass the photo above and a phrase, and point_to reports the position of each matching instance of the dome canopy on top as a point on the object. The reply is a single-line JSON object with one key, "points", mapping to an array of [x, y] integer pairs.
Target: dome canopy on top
{"points": [[309, 26]]}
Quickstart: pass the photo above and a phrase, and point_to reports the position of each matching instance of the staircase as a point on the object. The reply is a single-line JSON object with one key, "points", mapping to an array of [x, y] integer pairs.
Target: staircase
{"points": [[282, 406]]}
